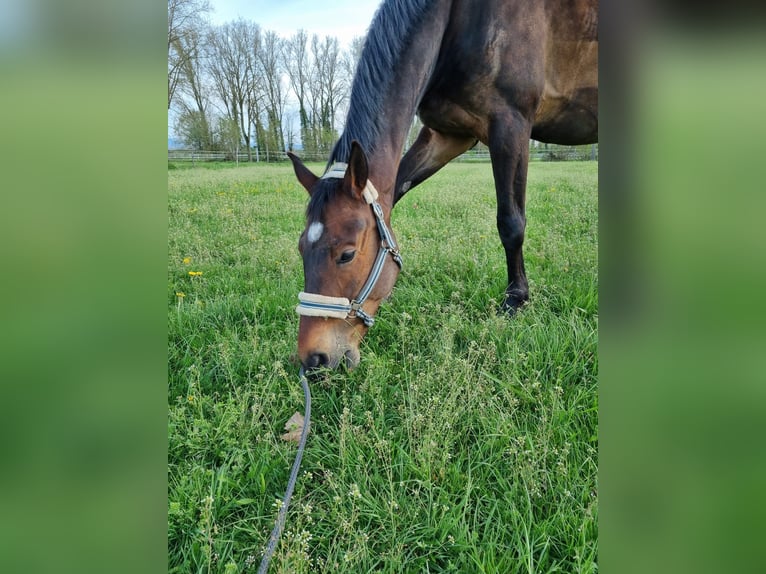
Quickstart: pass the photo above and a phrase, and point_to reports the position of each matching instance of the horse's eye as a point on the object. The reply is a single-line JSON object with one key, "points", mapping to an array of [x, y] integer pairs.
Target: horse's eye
{"points": [[346, 256]]}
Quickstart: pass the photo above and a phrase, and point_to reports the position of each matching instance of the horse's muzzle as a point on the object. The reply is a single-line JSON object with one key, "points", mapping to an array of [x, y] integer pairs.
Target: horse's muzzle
{"points": [[315, 361]]}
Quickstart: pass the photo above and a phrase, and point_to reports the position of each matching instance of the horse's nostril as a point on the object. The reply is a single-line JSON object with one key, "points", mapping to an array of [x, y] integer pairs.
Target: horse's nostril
{"points": [[317, 360]]}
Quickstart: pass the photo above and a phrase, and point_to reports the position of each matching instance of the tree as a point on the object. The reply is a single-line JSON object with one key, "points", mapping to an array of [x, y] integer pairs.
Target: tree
{"points": [[175, 62], [295, 61], [192, 78], [271, 72], [235, 71], [290, 133], [228, 137], [328, 90], [232, 68], [193, 128], [184, 16]]}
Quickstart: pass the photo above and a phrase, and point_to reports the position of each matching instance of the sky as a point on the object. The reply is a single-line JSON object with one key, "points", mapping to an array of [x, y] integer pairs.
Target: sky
{"points": [[343, 19]]}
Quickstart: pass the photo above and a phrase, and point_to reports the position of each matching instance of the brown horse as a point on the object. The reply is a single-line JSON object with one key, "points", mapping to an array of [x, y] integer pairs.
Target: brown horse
{"points": [[496, 71]]}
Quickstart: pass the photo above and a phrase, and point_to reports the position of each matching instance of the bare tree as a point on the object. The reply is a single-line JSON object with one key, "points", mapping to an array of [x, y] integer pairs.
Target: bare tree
{"points": [[184, 17], [271, 66], [352, 56], [295, 61], [329, 88], [192, 73], [234, 71], [232, 68], [175, 63], [194, 122], [349, 62], [290, 132], [316, 96]]}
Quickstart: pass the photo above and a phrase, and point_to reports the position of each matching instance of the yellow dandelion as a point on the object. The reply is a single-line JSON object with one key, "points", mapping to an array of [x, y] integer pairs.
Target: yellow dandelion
{"points": [[195, 273], [187, 260], [180, 294]]}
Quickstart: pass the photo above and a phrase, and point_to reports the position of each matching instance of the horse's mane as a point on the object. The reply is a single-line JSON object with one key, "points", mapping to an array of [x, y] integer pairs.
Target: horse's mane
{"points": [[387, 40]]}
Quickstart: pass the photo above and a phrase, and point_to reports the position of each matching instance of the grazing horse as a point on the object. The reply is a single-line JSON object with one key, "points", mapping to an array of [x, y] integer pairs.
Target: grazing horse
{"points": [[496, 71]]}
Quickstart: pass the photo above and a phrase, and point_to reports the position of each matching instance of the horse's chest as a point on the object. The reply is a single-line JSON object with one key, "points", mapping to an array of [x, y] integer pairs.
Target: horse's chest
{"points": [[444, 114]]}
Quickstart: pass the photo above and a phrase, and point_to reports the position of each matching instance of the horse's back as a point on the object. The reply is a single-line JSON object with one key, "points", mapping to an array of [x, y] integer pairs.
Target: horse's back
{"points": [[538, 59]]}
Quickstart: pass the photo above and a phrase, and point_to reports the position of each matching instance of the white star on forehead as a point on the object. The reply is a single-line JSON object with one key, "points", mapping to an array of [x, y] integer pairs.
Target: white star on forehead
{"points": [[315, 232]]}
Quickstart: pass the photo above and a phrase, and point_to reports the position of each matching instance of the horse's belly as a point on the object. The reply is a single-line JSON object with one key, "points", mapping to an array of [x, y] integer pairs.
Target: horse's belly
{"points": [[568, 110], [568, 120]]}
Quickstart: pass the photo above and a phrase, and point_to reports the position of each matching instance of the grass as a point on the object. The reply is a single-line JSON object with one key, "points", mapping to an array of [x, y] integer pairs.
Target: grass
{"points": [[464, 442]]}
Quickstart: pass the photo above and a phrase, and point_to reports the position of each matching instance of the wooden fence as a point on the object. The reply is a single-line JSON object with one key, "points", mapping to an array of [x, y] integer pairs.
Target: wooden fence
{"points": [[558, 153]]}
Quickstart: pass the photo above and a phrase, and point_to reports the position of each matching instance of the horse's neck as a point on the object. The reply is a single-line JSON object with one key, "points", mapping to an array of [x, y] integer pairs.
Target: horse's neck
{"points": [[397, 101]]}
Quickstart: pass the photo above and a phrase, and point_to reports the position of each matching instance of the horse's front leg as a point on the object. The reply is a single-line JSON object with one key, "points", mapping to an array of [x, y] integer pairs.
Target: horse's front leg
{"points": [[509, 150], [431, 151]]}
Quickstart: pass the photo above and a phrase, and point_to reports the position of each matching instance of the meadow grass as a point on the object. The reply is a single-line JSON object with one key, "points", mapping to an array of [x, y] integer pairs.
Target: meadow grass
{"points": [[464, 442]]}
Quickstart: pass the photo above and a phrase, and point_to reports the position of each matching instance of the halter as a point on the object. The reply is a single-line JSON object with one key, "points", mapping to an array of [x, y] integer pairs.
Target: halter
{"points": [[315, 305]]}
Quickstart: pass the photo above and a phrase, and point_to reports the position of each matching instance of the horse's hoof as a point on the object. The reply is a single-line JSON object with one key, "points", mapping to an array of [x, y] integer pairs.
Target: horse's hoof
{"points": [[512, 303]]}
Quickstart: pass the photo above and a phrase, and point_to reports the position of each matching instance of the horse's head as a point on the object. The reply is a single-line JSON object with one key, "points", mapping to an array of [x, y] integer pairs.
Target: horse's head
{"points": [[350, 262]]}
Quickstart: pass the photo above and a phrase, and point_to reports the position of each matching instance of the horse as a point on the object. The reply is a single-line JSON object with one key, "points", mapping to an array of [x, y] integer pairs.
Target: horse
{"points": [[496, 71]]}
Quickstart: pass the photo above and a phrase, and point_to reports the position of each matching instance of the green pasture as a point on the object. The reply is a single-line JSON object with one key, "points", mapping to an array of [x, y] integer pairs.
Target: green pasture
{"points": [[464, 442]]}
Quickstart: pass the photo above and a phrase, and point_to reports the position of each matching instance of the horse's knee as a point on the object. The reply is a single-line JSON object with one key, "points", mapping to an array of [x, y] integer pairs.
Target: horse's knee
{"points": [[511, 229]]}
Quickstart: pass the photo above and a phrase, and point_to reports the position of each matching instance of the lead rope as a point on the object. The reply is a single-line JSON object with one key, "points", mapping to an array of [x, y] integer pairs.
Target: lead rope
{"points": [[280, 522]]}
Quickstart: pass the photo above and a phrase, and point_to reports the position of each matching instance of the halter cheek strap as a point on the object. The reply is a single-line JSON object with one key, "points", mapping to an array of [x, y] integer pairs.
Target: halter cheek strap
{"points": [[316, 305]]}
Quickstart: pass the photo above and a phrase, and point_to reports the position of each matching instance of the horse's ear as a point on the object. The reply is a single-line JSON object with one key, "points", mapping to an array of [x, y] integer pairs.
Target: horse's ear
{"points": [[357, 171], [304, 174]]}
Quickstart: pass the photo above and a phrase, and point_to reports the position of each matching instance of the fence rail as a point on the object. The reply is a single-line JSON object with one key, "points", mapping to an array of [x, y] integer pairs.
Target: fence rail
{"points": [[571, 153]]}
